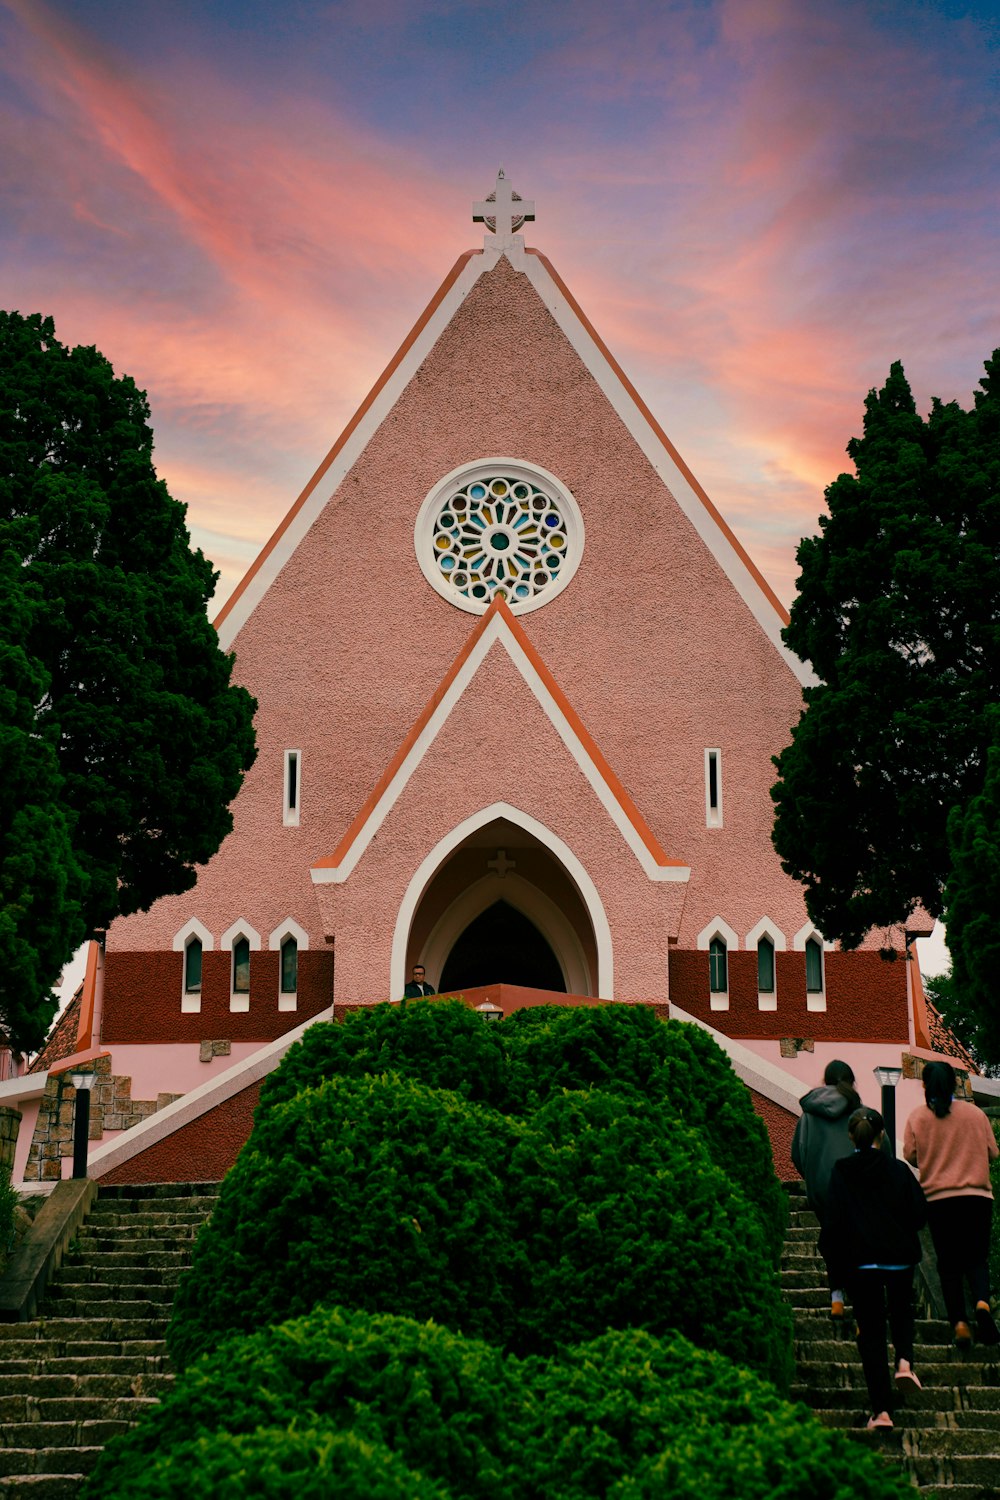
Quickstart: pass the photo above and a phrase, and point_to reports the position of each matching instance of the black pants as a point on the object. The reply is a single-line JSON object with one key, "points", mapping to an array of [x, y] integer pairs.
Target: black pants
{"points": [[960, 1229], [873, 1293]]}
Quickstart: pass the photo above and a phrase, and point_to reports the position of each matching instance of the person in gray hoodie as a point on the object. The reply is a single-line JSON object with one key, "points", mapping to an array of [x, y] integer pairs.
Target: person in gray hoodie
{"points": [[821, 1138]]}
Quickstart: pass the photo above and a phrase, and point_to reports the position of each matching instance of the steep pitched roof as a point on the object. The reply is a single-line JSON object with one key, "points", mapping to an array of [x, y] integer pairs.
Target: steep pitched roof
{"points": [[498, 627], [650, 437]]}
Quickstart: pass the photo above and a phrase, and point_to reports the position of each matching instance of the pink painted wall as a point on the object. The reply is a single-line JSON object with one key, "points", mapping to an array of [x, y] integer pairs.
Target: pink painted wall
{"points": [[655, 649]]}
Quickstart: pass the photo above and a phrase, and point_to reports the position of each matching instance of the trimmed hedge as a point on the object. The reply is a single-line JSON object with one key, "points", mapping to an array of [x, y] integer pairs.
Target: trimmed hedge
{"points": [[626, 1417], [514, 1066], [382, 1194]]}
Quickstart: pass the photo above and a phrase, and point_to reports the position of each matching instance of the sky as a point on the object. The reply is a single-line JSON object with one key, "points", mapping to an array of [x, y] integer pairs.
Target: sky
{"points": [[760, 204]]}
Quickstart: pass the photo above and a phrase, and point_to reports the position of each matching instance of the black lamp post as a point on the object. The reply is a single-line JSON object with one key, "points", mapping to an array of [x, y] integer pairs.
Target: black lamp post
{"points": [[81, 1121], [888, 1078]]}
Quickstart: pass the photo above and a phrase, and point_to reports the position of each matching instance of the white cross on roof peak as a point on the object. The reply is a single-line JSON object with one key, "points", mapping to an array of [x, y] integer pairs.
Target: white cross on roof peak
{"points": [[503, 212]]}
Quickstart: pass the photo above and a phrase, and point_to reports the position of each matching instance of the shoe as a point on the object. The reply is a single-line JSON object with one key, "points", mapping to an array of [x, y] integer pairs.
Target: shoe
{"points": [[837, 1309], [906, 1380], [986, 1330], [882, 1420], [963, 1335]]}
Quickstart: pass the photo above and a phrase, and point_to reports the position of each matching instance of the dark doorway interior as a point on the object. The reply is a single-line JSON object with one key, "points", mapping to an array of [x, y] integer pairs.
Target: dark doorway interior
{"points": [[501, 947]]}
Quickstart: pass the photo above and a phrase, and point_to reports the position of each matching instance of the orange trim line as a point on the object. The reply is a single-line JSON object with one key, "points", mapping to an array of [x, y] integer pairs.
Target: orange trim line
{"points": [[500, 607], [654, 424], [921, 1024], [70, 1064], [376, 389], [85, 1029]]}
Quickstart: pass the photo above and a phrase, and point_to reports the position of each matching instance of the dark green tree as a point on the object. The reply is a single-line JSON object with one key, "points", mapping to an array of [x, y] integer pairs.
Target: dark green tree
{"points": [[115, 668], [972, 896], [898, 610]]}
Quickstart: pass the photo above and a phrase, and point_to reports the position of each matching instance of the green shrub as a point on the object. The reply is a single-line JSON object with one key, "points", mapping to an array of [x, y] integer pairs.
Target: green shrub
{"points": [[8, 1208], [626, 1223], [542, 1050], [625, 1417], [995, 1236], [378, 1193]]}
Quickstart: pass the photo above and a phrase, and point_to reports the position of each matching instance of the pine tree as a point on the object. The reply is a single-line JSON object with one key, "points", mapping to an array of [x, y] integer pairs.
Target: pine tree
{"points": [[898, 611], [130, 740]]}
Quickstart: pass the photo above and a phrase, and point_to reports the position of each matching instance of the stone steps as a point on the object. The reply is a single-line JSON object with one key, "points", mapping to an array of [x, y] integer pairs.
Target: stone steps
{"points": [[94, 1360], [946, 1437]]}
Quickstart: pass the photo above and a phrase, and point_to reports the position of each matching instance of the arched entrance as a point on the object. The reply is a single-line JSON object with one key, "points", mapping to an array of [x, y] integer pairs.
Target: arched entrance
{"points": [[527, 903], [501, 946]]}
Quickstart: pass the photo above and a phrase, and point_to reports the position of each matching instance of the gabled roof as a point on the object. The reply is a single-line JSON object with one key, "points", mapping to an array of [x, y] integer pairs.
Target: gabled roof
{"points": [[499, 628], [650, 437]]}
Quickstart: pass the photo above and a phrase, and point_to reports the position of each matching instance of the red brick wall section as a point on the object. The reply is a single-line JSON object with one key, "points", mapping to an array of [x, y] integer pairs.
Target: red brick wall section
{"points": [[201, 1151], [780, 1127], [142, 998], [865, 997]]}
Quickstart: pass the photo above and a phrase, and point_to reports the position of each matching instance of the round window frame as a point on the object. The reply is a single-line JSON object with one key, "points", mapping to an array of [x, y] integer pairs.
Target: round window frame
{"points": [[493, 468]]}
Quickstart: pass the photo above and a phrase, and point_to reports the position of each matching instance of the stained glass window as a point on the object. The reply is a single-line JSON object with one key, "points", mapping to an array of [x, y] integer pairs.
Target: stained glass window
{"points": [[241, 966], [192, 966], [814, 967], [765, 966], [289, 966], [718, 968]]}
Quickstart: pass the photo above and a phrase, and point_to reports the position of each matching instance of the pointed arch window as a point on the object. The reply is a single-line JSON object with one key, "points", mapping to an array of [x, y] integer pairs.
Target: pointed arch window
{"points": [[289, 966], [192, 966], [718, 966], [814, 967], [765, 966], [241, 966]]}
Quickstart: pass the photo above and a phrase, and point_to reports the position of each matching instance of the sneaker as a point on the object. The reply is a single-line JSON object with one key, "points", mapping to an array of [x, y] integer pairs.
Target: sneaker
{"points": [[883, 1419], [986, 1330], [906, 1380], [963, 1335], [836, 1308]]}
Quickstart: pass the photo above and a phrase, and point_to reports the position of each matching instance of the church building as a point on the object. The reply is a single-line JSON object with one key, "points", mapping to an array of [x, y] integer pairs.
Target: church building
{"points": [[519, 688]]}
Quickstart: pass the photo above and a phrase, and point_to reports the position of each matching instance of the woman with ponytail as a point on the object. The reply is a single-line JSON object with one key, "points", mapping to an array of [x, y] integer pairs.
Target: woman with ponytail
{"points": [[870, 1237], [951, 1144]]}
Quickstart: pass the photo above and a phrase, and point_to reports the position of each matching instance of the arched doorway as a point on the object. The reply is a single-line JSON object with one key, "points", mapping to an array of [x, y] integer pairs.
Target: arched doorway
{"points": [[503, 855], [501, 946]]}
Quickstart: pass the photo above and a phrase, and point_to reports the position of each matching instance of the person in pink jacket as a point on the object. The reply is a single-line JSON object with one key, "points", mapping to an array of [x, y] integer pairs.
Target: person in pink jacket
{"points": [[951, 1144]]}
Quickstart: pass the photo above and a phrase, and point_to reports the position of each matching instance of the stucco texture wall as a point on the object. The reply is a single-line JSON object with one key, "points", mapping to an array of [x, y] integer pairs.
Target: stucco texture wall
{"points": [[201, 1151], [655, 649]]}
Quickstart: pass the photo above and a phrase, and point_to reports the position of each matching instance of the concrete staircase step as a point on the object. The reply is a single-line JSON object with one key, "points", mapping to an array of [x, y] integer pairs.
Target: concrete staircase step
{"points": [[24, 1461]]}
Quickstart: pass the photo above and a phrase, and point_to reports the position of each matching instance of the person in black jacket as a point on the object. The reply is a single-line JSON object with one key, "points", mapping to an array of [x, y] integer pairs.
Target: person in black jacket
{"points": [[875, 1208]]}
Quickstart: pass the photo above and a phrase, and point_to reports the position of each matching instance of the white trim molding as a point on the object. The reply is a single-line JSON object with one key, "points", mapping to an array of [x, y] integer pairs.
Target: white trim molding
{"points": [[713, 815], [288, 1000], [497, 632], [289, 813], [815, 999], [767, 999], [239, 1000], [553, 924], [191, 999], [430, 865]]}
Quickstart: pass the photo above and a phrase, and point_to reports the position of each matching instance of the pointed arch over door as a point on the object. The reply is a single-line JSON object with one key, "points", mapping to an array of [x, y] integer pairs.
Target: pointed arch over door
{"points": [[571, 867]]}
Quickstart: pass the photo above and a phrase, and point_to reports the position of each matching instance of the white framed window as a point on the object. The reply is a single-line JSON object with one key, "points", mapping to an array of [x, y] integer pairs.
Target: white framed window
{"points": [[811, 943], [193, 940], [768, 940], [499, 527], [719, 940], [289, 940], [241, 940], [713, 788], [292, 788]]}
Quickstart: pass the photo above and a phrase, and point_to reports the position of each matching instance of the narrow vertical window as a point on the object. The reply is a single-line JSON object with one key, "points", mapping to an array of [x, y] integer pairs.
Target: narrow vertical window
{"points": [[765, 967], [289, 966], [241, 966], [293, 787], [814, 967], [718, 969], [192, 966], [713, 788]]}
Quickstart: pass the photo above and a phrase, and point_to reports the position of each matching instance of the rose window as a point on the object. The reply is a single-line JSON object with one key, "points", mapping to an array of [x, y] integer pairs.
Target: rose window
{"points": [[507, 532]]}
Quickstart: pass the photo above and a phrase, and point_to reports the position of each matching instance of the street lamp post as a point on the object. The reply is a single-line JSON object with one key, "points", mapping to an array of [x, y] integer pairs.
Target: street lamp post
{"points": [[81, 1121], [489, 1011], [888, 1078]]}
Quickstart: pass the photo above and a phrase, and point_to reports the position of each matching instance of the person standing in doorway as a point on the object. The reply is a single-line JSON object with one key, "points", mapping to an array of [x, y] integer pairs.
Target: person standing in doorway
{"points": [[418, 985], [951, 1143]]}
